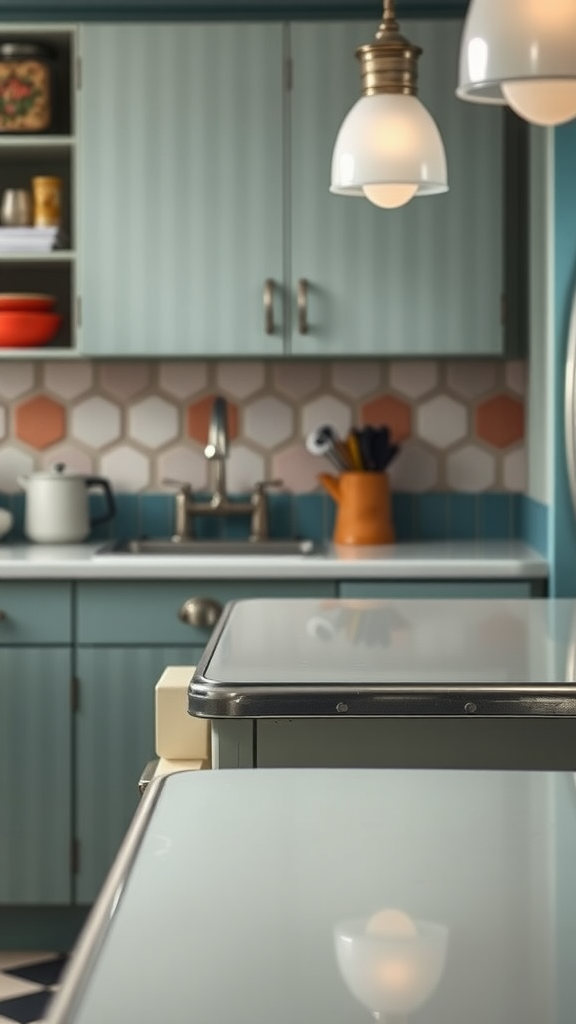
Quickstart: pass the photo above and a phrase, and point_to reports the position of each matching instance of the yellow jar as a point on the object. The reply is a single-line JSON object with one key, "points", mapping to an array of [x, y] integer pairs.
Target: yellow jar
{"points": [[47, 196]]}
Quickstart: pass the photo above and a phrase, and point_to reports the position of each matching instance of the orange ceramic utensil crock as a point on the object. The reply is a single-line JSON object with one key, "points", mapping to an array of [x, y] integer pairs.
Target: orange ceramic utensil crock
{"points": [[364, 514]]}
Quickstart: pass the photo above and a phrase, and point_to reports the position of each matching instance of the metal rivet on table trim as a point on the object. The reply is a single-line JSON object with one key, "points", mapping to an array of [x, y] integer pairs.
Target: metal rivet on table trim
{"points": [[341, 708], [470, 708]]}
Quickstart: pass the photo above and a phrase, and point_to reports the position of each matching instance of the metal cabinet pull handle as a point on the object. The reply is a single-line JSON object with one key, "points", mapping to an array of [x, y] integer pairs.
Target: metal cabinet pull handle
{"points": [[201, 612], [303, 306], [3, 616], [269, 306]]}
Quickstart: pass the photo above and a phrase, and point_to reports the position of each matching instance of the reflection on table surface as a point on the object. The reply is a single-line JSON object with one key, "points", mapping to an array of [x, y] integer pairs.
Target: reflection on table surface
{"points": [[529, 641], [435, 897]]}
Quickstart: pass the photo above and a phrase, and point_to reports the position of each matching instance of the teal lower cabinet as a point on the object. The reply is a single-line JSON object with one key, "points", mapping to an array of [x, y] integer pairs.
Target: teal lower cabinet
{"points": [[127, 633], [114, 740], [35, 776], [435, 588]]}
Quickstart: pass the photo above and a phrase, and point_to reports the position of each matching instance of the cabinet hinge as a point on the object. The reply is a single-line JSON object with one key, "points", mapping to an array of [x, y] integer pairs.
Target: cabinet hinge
{"points": [[503, 310], [74, 694], [78, 72], [289, 73], [75, 856], [78, 311]]}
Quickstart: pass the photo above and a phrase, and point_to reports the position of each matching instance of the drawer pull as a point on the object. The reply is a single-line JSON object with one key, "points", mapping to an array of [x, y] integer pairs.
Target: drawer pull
{"points": [[202, 612], [3, 616]]}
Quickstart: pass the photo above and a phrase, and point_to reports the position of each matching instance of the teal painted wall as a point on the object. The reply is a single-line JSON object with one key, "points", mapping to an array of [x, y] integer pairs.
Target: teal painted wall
{"points": [[562, 535]]}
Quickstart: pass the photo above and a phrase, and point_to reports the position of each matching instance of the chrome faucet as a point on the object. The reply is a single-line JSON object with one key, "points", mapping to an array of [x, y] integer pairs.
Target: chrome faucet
{"points": [[217, 447], [217, 451]]}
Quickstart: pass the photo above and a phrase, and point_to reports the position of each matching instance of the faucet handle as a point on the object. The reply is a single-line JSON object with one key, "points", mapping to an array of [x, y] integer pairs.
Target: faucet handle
{"points": [[261, 485], [176, 483]]}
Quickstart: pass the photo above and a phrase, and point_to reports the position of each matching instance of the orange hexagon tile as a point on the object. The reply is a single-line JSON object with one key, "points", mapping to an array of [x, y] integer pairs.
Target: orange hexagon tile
{"points": [[500, 421], [387, 411], [40, 422], [198, 419]]}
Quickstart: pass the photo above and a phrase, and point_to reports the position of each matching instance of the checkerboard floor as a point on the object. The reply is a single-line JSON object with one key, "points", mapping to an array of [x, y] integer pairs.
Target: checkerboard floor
{"points": [[27, 981]]}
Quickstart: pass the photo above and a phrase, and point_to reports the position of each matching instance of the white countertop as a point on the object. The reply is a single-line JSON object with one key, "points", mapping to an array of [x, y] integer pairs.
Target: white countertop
{"points": [[456, 560]]}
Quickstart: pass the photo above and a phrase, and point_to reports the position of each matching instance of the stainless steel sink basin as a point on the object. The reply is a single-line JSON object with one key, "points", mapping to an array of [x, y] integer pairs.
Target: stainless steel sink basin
{"points": [[209, 547]]}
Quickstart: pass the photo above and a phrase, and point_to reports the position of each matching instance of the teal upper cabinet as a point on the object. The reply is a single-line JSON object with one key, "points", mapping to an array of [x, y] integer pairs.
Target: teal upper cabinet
{"points": [[425, 279], [181, 166], [206, 223]]}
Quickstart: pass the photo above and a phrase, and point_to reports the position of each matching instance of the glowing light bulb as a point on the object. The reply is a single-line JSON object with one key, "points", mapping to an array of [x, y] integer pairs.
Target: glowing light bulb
{"points": [[544, 101], [390, 197], [393, 924]]}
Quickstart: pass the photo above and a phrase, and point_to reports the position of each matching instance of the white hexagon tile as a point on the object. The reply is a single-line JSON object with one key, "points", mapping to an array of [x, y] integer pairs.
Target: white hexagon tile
{"points": [[460, 424]]}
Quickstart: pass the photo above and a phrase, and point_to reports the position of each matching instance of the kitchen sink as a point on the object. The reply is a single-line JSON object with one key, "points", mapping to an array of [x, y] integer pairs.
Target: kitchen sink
{"points": [[161, 546]]}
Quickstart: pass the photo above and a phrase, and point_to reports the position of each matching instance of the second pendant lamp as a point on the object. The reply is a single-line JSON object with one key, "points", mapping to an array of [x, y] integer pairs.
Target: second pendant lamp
{"points": [[389, 148]]}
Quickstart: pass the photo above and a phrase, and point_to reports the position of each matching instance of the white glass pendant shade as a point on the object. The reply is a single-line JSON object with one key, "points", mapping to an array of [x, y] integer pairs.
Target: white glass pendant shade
{"points": [[521, 52], [388, 149]]}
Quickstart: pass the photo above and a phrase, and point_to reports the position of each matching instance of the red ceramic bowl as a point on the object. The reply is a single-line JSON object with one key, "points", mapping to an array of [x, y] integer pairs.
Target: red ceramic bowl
{"points": [[25, 330], [26, 302]]}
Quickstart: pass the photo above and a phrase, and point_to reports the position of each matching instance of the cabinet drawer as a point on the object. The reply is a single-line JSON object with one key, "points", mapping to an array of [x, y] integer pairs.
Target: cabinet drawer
{"points": [[135, 613], [437, 588], [35, 613]]}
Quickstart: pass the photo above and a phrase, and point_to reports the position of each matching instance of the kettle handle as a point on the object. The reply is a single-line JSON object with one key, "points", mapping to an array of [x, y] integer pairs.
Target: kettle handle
{"points": [[99, 481]]}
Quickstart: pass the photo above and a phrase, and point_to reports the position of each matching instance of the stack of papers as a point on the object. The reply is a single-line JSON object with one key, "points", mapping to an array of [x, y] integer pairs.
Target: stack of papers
{"points": [[28, 239]]}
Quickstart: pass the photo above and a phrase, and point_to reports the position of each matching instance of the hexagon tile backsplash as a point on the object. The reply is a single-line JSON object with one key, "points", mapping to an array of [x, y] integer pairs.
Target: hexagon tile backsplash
{"points": [[460, 423]]}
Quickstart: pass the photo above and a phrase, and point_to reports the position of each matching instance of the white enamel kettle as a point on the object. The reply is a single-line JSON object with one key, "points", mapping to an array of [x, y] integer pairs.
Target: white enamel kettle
{"points": [[57, 507]]}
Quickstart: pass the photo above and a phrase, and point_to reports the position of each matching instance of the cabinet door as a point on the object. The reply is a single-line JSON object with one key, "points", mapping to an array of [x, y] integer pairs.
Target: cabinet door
{"points": [[114, 741], [181, 185], [35, 775], [425, 279]]}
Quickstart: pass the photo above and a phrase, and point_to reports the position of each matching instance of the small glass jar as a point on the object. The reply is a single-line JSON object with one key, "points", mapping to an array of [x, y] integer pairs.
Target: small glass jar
{"points": [[25, 87]]}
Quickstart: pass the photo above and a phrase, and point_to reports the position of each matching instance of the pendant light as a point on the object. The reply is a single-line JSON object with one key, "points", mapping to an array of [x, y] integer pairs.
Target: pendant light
{"points": [[523, 53], [388, 148]]}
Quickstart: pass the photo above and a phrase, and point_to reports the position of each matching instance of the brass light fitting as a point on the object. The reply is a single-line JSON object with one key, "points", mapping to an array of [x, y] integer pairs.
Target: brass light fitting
{"points": [[389, 65]]}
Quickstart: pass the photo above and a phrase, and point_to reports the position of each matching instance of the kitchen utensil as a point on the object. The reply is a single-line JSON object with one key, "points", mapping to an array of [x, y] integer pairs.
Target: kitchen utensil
{"points": [[57, 507], [26, 302], [364, 513], [6, 521], [324, 441], [19, 329], [353, 444], [16, 208]]}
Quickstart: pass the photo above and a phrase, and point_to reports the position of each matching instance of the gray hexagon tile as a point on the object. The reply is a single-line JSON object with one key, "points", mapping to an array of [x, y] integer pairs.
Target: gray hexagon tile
{"points": [[16, 379], [415, 470], [297, 469], [124, 380], [153, 422], [515, 470], [326, 411], [96, 422], [245, 468], [13, 463], [268, 421], [297, 380], [76, 460], [414, 379], [471, 469], [183, 379], [182, 464], [127, 469], [355, 380], [441, 421], [471, 379], [515, 375], [239, 379], [68, 380]]}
